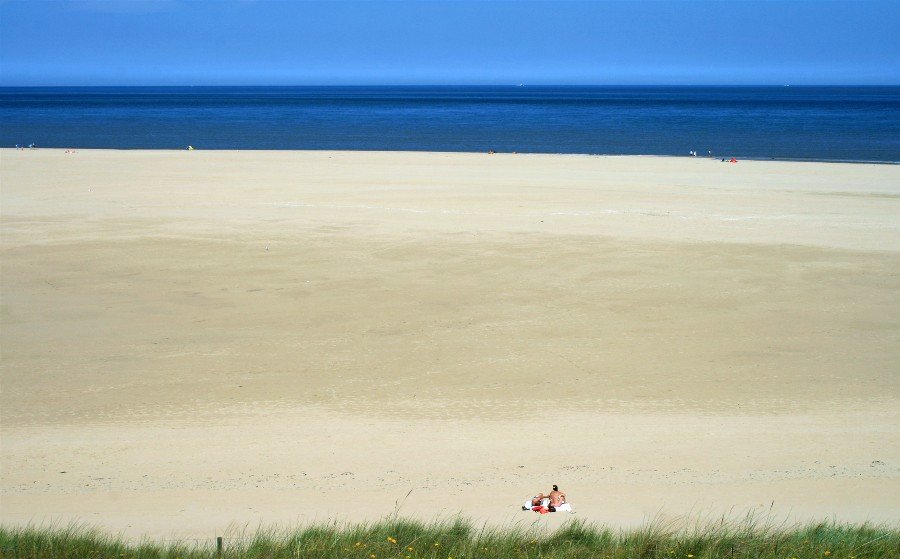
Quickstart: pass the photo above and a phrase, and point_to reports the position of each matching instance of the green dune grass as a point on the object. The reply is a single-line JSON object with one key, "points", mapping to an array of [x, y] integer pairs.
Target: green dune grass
{"points": [[461, 539]]}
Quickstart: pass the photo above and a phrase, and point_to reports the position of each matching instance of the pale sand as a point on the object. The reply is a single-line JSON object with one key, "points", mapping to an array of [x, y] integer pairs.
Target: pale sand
{"points": [[206, 338]]}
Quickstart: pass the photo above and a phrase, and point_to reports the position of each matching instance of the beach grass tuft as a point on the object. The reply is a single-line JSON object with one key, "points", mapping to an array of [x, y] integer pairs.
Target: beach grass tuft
{"points": [[459, 538]]}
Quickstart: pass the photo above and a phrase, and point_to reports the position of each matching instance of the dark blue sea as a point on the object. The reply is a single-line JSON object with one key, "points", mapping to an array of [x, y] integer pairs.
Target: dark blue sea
{"points": [[817, 123]]}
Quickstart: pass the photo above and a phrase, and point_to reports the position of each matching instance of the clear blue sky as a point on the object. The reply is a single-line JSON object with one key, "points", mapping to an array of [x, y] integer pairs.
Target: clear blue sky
{"points": [[238, 42]]}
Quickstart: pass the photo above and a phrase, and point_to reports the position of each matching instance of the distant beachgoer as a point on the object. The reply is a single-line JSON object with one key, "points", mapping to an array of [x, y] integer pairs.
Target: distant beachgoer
{"points": [[557, 498], [538, 500]]}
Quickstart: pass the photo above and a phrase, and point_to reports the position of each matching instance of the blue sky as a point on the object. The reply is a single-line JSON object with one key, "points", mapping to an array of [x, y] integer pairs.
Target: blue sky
{"points": [[242, 42]]}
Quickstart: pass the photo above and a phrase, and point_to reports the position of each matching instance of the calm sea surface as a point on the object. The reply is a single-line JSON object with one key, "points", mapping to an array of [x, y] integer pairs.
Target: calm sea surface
{"points": [[828, 123]]}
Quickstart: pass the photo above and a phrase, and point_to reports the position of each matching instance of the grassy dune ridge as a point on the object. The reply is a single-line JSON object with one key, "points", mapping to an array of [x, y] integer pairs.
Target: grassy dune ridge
{"points": [[461, 539]]}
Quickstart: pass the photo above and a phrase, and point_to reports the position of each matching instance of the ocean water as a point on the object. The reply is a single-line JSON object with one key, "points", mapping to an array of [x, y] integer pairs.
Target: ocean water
{"points": [[818, 123]]}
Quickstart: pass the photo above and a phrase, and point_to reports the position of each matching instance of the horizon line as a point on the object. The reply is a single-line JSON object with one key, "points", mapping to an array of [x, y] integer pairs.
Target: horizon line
{"points": [[2, 86]]}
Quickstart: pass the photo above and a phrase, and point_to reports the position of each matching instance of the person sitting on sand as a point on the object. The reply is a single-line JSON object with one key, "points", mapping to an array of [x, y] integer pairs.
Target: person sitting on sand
{"points": [[557, 498]]}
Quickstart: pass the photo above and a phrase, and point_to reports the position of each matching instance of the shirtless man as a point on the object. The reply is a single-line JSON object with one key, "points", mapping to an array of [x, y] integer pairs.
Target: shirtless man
{"points": [[557, 498]]}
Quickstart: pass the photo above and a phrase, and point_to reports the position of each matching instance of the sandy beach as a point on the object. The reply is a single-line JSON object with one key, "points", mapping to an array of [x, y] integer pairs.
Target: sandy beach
{"points": [[193, 341]]}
